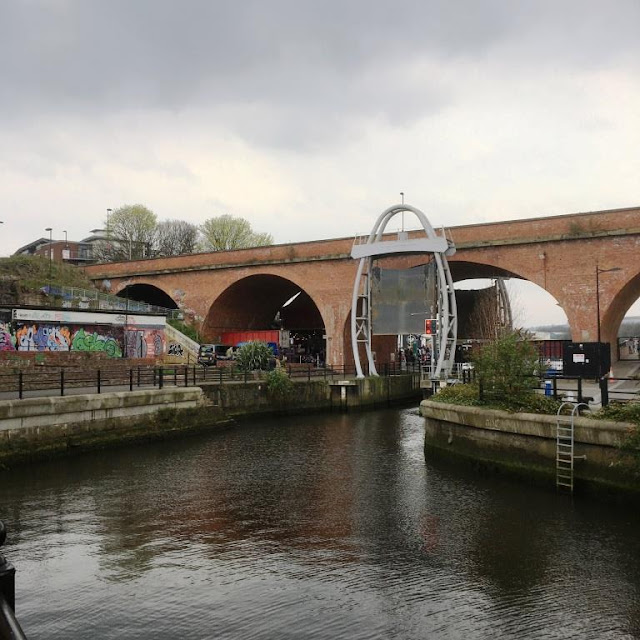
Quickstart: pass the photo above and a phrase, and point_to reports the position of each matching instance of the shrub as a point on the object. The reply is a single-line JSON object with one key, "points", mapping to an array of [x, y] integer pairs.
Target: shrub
{"points": [[506, 366], [280, 387], [253, 356], [525, 402]]}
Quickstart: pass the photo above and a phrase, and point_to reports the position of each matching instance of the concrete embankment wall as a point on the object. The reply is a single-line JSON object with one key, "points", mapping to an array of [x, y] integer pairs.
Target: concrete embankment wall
{"points": [[40, 427], [36, 427], [525, 444]]}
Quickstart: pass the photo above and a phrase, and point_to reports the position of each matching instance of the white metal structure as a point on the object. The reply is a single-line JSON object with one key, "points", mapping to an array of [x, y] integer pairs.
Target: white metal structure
{"points": [[446, 312]]}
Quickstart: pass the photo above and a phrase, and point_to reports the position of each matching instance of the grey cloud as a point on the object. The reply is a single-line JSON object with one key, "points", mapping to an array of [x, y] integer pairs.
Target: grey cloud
{"points": [[303, 72]]}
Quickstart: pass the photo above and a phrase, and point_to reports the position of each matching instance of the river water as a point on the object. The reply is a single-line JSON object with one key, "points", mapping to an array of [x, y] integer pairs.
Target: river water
{"points": [[329, 526]]}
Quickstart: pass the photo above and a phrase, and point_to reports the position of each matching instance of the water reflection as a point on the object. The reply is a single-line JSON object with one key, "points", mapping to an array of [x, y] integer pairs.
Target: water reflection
{"points": [[322, 527]]}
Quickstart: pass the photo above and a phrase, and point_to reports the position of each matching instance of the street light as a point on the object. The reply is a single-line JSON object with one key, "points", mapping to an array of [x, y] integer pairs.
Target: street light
{"points": [[598, 272], [50, 230]]}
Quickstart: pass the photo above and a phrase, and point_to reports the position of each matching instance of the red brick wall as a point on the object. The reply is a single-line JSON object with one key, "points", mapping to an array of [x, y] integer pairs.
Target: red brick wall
{"points": [[558, 253]]}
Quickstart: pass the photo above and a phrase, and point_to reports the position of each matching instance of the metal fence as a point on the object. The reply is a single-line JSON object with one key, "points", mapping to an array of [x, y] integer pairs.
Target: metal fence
{"points": [[56, 381], [559, 387], [93, 300]]}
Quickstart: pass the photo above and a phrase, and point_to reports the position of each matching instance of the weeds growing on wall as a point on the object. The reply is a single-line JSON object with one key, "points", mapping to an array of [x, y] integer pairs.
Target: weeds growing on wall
{"points": [[280, 387], [627, 412], [186, 329]]}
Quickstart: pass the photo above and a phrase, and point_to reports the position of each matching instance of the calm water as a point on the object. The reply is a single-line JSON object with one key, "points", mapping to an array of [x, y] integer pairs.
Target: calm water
{"points": [[318, 527]]}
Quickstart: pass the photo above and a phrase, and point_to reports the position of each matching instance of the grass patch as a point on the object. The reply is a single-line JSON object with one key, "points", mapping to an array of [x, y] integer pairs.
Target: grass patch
{"points": [[32, 273]]}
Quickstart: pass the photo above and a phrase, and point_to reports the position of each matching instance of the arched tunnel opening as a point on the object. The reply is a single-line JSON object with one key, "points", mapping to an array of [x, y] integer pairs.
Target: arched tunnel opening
{"points": [[269, 303], [149, 294]]}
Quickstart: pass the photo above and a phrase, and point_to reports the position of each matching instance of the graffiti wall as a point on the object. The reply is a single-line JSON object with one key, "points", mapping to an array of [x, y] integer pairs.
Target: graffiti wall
{"points": [[116, 335], [7, 339], [51, 337], [143, 343], [116, 342]]}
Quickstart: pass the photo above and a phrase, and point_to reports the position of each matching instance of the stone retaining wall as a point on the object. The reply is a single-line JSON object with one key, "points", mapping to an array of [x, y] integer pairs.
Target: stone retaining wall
{"points": [[525, 444]]}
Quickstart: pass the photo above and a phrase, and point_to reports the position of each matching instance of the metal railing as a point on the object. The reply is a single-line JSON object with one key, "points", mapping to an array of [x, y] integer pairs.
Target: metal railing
{"points": [[9, 626], [621, 390], [559, 387], [56, 381], [91, 299]]}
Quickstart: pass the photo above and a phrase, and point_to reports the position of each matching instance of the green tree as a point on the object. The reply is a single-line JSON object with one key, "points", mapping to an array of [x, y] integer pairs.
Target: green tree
{"points": [[254, 356], [130, 232], [228, 232], [506, 365]]}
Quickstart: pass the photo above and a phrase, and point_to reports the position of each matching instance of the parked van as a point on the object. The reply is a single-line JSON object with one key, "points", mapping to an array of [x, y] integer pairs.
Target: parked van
{"points": [[209, 354]]}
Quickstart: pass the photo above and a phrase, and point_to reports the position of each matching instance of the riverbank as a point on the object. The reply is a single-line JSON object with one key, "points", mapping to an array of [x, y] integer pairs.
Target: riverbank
{"points": [[525, 446], [37, 428]]}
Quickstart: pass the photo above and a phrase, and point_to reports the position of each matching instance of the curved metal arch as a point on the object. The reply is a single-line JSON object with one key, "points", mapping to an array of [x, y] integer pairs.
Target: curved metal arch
{"points": [[505, 314], [447, 315]]}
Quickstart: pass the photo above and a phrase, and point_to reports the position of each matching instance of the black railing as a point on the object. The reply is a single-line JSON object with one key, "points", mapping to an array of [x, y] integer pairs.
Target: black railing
{"points": [[580, 389], [621, 390], [56, 381], [9, 626]]}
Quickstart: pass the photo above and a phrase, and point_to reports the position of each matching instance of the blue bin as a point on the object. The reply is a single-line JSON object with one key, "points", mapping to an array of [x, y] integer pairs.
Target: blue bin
{"points": [[548, 390]]}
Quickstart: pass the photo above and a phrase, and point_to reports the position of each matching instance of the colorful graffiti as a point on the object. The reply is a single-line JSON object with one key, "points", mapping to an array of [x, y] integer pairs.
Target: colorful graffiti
{"points": [[43, 338], [143, 343], [7, 340], [114, 341], [87, 341]]}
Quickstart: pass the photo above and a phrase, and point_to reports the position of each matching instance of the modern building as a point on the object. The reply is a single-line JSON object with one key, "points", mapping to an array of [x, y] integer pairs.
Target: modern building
{"points": [[68, 251]]}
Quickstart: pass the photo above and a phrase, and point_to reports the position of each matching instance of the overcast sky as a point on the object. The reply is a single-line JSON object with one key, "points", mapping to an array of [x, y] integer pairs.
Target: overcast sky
{"points": [[309, 118]]}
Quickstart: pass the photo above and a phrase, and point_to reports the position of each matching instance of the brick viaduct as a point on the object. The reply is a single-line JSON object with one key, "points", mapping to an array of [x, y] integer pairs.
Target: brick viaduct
{"points": [[244, 289]]}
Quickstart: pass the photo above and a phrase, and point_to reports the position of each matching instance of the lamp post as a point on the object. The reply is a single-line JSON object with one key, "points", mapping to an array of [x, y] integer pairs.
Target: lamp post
{"points": [[598, 272], [50, 230]]}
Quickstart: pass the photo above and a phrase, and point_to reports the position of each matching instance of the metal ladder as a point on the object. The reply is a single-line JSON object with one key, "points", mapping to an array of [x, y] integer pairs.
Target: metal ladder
{"points": [[565, 447]]}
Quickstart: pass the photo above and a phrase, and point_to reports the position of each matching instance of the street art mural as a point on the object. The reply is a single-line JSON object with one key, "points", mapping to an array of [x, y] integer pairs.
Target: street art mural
{"points": [[144, 343], [88, 340], [48, 337], [175, 349], [132, 341], [7, 339], [43, 338]]}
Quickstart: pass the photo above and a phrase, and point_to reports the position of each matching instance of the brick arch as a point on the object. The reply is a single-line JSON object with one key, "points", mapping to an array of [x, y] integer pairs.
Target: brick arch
{"points": [[146, 292], [529, 266], [253, 301], [613, 313]]}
